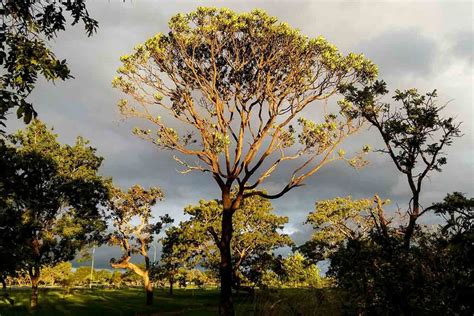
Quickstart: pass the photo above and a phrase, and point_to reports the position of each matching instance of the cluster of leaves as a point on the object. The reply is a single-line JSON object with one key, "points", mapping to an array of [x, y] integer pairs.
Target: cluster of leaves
{"points": [[294, 271], [26, 28], [257, 232], [334, 221], [50, 197]]}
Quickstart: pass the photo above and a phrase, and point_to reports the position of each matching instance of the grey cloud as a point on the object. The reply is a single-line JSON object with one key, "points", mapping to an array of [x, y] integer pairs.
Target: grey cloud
{"points": [[401, 52], [462, 46]]}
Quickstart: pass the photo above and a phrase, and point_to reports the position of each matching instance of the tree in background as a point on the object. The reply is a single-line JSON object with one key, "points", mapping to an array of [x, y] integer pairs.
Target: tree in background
{"points": [[239, 83], [179, 250], [54, 195], [299, 273], [135, 238], [334, 222], [415, 136], [26, 28], [82, 276], [60, 273], [257, 233], [116, 279]]}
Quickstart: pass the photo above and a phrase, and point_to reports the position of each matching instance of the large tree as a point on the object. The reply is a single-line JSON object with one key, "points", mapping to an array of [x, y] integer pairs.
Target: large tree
{"points": [[26, 28], [52, 193], [131, 214], [238, 85]]}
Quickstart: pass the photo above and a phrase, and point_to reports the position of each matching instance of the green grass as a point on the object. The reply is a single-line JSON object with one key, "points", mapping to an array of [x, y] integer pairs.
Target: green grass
{"points": [[124, 302]]}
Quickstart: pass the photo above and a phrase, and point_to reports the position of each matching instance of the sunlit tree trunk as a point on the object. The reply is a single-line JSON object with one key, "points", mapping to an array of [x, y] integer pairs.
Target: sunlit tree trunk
{"points": [[148, 289], [35, 275]]}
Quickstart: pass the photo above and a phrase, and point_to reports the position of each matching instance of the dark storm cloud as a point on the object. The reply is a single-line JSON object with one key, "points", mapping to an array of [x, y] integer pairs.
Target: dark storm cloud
{"points": [[401, 52], [407, 40]]}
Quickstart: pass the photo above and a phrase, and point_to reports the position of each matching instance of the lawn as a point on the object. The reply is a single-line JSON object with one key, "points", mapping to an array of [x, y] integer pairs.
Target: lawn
{"points": [[126, 302]]}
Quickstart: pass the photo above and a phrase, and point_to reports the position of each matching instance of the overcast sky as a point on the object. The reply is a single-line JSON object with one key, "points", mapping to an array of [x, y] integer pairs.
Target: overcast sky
{"points": [[424, 44]]}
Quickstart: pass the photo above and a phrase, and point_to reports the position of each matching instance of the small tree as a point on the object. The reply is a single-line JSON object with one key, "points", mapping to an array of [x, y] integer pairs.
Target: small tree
{"points": [[177, 252], [126, 207], [53, 193], [415, 135], [58, 274], [116, 279], [299, 273], [239, 83], [257, 232], [337, 220]]}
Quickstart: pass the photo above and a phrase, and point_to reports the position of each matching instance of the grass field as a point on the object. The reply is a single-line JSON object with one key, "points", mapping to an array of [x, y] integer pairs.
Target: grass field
{"points": [[126, 302]]}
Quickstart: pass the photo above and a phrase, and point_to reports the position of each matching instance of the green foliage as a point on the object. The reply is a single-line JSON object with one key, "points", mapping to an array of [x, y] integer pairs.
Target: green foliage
{"points": [[415, 134], [125, 209], [53, 193], [217, 69], [26, 28], [82, 276], [298, 273], [334, 221], [58, 274], [116, 279], [257, 232], [433, 276]]}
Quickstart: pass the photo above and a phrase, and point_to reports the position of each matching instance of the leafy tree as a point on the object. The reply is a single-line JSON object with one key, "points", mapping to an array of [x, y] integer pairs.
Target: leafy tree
{"points": [[60, 273], [257, 232], [102, 276], [82, 276], [434, 276], [126, 207], [334, 221], [239, 83], [116, 279], [54, 194], [26, 28], [415, 135], [298, 273], [177, 252]]}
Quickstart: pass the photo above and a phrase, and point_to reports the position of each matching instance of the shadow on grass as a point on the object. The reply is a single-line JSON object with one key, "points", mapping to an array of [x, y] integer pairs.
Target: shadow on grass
{"points": [[192, 302]]}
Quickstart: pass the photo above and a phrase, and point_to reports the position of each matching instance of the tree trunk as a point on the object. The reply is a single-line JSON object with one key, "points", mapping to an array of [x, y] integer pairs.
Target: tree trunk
{"points": [[412, 221], [171, 285], [34, 289], [148, 289], [6, 295], [226, 306]]}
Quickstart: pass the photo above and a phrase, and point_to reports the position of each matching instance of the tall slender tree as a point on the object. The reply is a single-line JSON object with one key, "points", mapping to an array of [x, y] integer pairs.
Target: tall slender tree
{"points": [[238, 84], [414, 133]]}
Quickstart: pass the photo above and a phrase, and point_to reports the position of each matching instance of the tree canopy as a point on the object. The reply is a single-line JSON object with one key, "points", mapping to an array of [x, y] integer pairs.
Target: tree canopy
{"points": [[52, 193]]}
